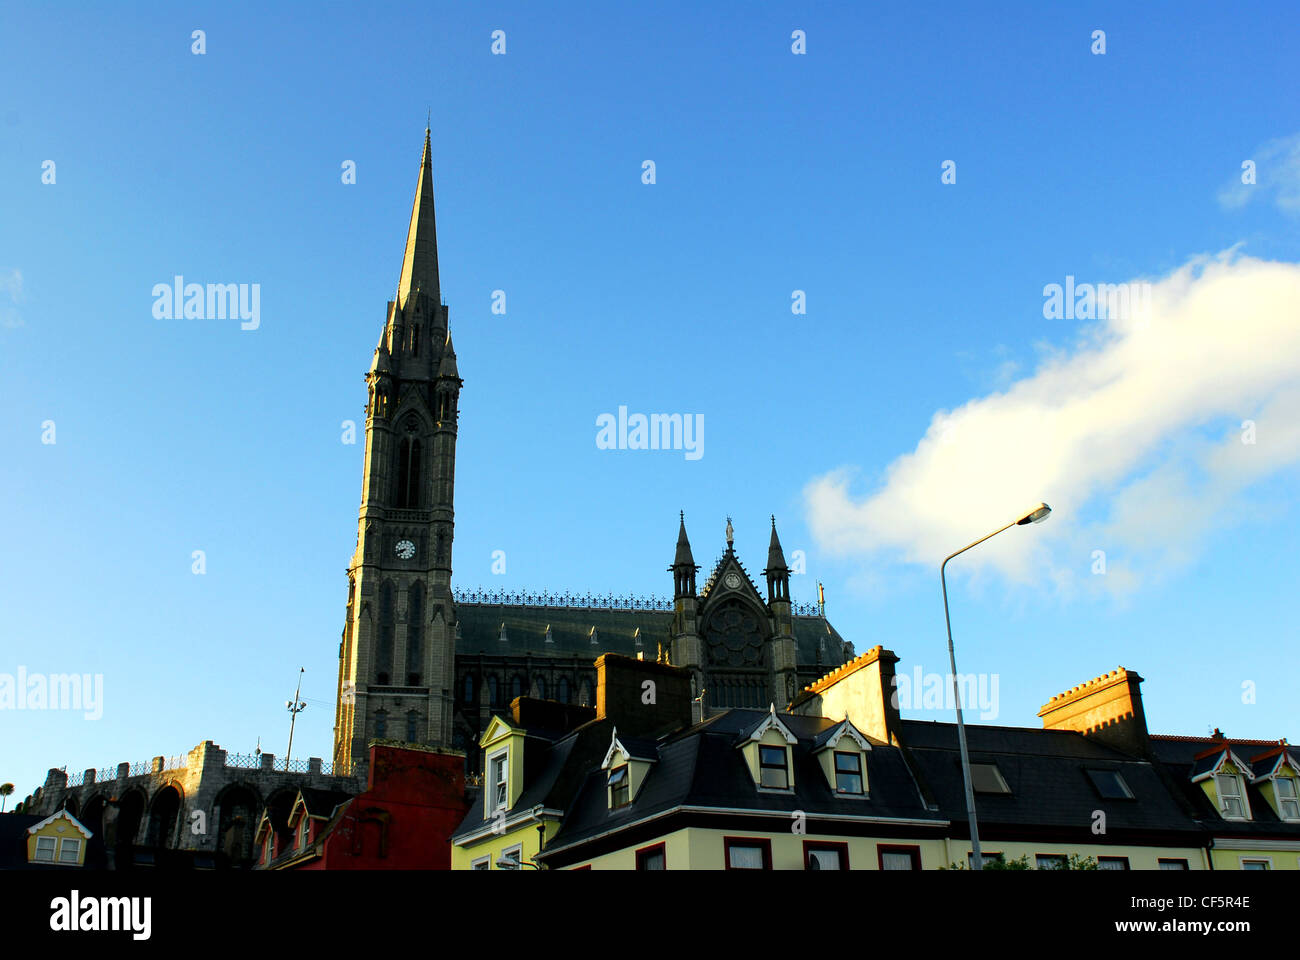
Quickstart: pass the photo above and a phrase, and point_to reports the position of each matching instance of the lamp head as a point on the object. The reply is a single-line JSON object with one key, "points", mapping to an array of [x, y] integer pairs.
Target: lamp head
{"points": [[1037, 515]]}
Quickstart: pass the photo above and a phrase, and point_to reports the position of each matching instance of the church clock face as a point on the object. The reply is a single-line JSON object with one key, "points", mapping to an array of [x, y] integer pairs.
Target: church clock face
{"points": [[405, 549], [732, 580]]}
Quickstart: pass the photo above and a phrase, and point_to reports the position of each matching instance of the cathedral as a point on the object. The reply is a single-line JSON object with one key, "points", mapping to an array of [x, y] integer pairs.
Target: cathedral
{"points": [[424, 663]]}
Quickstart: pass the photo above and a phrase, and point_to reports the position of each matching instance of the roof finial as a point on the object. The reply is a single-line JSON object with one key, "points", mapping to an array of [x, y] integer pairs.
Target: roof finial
{"points": [[731, 534]]}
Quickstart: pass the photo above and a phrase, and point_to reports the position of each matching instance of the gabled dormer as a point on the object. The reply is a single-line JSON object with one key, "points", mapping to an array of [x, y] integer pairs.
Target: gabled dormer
{"points": [[626, 764], [1277, 774], [1223, 776], [503, 766], [58, 839], [842, 752], [768, 749]]}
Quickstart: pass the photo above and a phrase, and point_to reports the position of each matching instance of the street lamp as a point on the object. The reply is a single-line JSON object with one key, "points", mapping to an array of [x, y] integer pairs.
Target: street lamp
{"points": [[1037, 515]]}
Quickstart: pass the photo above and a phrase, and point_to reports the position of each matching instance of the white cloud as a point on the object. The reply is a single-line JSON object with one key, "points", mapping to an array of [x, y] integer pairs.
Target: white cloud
{"points": [[1277, 172], [1133, 436]]}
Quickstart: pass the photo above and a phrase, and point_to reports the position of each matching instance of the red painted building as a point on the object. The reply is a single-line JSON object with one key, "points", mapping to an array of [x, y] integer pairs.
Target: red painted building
{"points": [[414, 799]]}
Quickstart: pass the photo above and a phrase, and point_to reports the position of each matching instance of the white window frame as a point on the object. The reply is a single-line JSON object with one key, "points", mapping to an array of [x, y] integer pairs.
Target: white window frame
{"points": [[1267, 861], [75, 851], [53, 850], [481, 863], [495, 804], [1294, 799], [515, 853], [1239, 796]]}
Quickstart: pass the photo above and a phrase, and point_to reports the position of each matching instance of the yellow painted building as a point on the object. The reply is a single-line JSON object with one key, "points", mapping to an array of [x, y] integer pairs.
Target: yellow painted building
{"points": [[59, 839]]}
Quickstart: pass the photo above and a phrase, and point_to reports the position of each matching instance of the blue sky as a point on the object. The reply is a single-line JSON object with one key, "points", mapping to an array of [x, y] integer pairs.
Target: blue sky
{"points": [[775, 172]]}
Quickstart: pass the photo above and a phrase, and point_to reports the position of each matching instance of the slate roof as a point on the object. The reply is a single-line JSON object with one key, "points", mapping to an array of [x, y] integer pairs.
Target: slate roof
{"points": [[702, 767], [1047, 773], [1183, 758], [322, 803], [480, 629]]}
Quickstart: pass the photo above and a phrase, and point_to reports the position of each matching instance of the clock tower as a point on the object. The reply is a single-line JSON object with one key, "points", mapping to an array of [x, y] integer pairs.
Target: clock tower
{"points": [[396, 657]]}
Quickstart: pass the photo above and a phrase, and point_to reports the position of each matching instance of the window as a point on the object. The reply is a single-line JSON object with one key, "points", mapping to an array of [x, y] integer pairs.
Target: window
{"points": [[302, 832], [541, 687], [848, 773], [482, 863], [652, 858], [387, 628], [894, 857], [1110, 784], [515, 853], [44, 849], [818, 855], [492, 691], [1230, 801], [1288, 806], [1112, 863], [469, 688], [500, 773], [381, 724], [1254, 864], [414, 633], [1050, 861], [516, 687], [407, 493], [748, 853], [619, 788], [987, 778], [1172, 864], [69, 850], [985, 856], [771, 768], [563, 693], [411, 723]]}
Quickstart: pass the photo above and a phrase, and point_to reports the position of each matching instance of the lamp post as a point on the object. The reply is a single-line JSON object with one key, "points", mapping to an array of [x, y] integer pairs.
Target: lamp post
{"points": [[1037, 515], [295, 707]]}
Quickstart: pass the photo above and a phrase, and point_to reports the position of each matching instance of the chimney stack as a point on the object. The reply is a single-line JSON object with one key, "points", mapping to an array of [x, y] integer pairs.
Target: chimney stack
{"points": [[1107, 708], [644, 699], [862, 689]]}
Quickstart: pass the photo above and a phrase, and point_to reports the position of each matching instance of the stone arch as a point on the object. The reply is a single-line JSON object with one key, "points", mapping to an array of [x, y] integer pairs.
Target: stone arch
{"points": [[92, 815], [237, 808], [127, 821], [165, 817], [70, 804]]}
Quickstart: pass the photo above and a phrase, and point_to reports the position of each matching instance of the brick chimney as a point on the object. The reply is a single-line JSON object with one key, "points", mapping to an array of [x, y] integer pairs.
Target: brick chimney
{"points": [[1107, 708], [862, 690], [642, 698]]}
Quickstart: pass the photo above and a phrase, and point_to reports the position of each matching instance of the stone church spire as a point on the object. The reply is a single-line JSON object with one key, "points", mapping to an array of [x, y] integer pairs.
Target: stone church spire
{"points": [[420, 262], [397, 651]]}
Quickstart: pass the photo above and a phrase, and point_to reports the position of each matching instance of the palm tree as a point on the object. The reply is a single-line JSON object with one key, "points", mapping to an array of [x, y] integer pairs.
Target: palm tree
{"points": [[5, 790]]}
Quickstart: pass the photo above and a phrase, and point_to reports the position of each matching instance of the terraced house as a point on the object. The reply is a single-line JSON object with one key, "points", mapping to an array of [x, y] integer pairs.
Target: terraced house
{"points": [[839, 781]]}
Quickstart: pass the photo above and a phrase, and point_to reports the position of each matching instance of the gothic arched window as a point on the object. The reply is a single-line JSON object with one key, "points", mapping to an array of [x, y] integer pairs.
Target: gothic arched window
{"points": [[492, 691], [387, 628], [516, 687], [381, 724], [414, 633], [541, 688], [406, 491], [469, 688], [412, 719], [562, 694]]}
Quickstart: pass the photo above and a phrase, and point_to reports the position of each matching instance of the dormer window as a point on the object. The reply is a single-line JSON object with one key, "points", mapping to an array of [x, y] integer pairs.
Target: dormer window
{"points": [[848, 772], [619, 788], [498, 780], [772, 768], [1288, 804], [1231, 802]]}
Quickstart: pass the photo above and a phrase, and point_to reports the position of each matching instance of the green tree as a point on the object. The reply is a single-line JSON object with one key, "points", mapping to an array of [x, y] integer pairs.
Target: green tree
{"points": [[5, 790]]}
